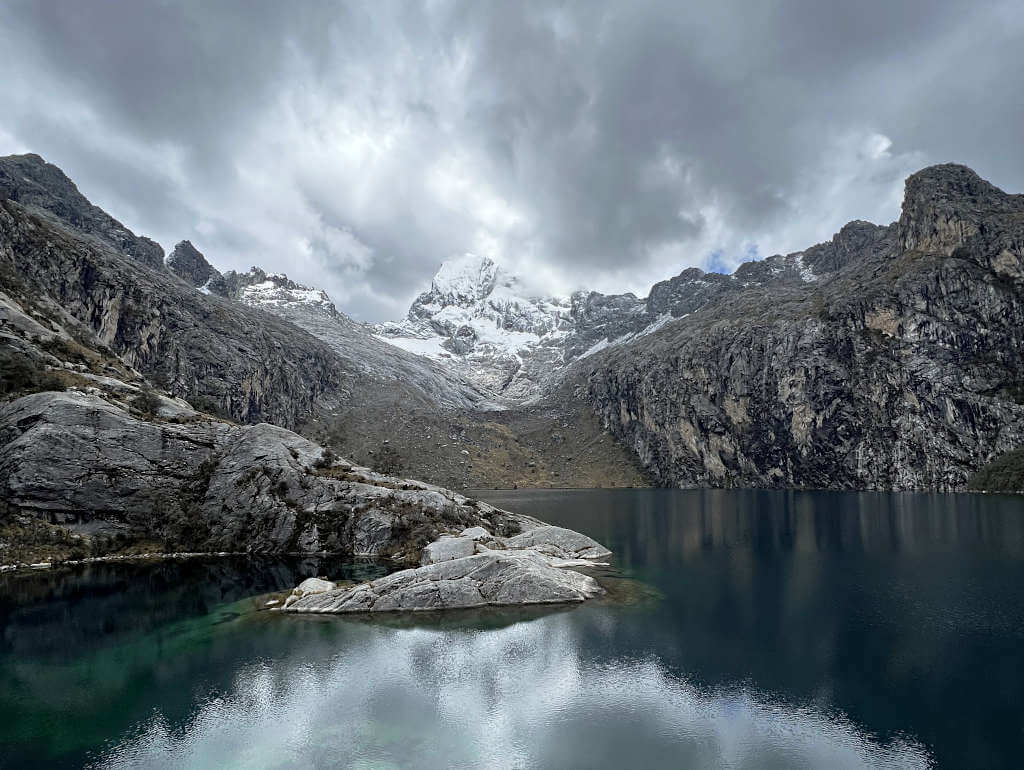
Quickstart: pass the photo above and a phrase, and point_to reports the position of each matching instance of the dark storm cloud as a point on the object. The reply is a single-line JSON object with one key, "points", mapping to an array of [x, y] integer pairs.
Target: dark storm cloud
{"points": [[603, 143]]}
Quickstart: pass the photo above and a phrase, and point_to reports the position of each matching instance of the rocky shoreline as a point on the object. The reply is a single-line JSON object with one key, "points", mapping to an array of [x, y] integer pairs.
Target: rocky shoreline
{"points": [[146, 556]]}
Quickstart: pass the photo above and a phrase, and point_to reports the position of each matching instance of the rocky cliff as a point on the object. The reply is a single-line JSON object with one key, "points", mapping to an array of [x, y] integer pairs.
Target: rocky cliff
{"points": [[44, 190], [889, 358]]}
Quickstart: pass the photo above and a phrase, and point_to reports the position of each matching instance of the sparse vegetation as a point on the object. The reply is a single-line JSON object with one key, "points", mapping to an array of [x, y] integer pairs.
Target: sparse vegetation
{"points": [[386, 460], [185, 527], [202, 403], [334, 436], [20, 374], [1004, 474], [147, 402], [326, 459], [473, 450]]}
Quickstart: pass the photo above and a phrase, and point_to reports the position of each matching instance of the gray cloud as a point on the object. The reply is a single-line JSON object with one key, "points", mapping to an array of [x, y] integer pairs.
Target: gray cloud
{"points": [[606, 144]]}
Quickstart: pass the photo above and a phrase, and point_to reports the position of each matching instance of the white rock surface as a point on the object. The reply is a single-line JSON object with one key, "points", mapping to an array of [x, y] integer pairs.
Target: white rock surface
{"points": [[475, 569], [560, 542], [491, 578], [314, 585], [447, 548], [476, 533]]}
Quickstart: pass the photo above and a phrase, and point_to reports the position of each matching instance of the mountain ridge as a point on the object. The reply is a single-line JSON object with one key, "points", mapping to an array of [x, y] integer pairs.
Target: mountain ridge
{"points": [[886, 357]]}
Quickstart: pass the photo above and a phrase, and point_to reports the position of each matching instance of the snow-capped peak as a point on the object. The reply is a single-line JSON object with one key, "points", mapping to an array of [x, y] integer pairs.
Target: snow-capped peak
{"points": [[478, 314], [465, 279]]}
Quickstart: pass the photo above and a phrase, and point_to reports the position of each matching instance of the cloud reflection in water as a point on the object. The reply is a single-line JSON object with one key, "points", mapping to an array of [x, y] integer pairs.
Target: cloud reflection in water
{"points": [[527, 695]]}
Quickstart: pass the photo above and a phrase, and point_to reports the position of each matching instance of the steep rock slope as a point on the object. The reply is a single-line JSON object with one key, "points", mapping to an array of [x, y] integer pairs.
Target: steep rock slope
{"points": [[223, 352], [890, 358], [43, 189], [228, 358]]}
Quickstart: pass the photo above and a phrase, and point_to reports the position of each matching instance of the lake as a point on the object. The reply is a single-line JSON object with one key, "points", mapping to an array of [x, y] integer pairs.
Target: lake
{"points": [[746, 629]]}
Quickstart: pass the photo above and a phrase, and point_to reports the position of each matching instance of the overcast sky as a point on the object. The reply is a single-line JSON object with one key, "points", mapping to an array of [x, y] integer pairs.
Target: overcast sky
{"points": [[594, 144]]}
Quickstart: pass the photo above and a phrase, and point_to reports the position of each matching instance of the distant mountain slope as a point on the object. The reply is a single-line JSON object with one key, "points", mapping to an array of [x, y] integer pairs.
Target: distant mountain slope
{"points": [[428, 383]]}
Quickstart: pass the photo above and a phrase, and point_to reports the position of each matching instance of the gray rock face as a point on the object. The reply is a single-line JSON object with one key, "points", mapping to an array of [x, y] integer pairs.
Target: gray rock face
{"points": [[558, 541], [491, 578], [475, 569], [599, 317], [233, 359], [890, 358], [43, 189], [190, 265], [75, 457], [448, 548]]}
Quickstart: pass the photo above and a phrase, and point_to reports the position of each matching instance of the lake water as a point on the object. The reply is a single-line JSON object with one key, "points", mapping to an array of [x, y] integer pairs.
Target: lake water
{"points": [[749, 629]]}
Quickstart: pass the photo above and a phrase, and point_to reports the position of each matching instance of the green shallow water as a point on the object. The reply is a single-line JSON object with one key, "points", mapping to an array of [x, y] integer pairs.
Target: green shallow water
{"points": [[754, 629]]}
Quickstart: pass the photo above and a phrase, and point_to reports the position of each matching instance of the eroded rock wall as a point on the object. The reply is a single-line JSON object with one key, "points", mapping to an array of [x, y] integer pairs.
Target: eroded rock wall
{"points": [[900, 365]]}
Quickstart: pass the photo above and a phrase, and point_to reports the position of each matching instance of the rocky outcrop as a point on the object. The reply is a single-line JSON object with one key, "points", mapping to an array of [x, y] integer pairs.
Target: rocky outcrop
{"points": [[474, 569], [558, 542], [75, 458], [487, 579], [889, 358], [190, 265]]}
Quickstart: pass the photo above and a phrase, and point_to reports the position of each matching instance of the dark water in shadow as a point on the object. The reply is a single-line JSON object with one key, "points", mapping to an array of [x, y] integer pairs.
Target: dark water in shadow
{"points": [[778, 629]]}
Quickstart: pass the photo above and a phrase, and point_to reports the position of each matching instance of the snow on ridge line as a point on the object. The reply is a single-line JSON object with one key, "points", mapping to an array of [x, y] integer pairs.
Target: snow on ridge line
{"points": [[469, 277], [270, 293], [660, 322]]}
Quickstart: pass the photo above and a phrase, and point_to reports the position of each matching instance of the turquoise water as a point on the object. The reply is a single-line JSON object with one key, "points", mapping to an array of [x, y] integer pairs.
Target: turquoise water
{"points": [[754, 629]]}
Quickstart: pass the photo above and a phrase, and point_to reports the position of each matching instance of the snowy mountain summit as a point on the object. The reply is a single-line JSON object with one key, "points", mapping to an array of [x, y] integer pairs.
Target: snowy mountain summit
{"points": [[482, 320]]}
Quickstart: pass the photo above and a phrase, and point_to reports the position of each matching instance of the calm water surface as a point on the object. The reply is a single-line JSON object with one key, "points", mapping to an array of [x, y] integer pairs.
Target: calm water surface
{"points": [[752, 629]]}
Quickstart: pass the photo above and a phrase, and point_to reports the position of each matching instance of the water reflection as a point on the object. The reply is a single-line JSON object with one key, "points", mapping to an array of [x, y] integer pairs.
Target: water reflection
{"points": [[527, 695], [45, 612], [780, 629], [661, 526]]}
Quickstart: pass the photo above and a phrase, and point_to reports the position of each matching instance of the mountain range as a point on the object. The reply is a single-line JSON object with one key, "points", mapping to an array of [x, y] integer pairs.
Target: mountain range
{"points": [[886, 358]]}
